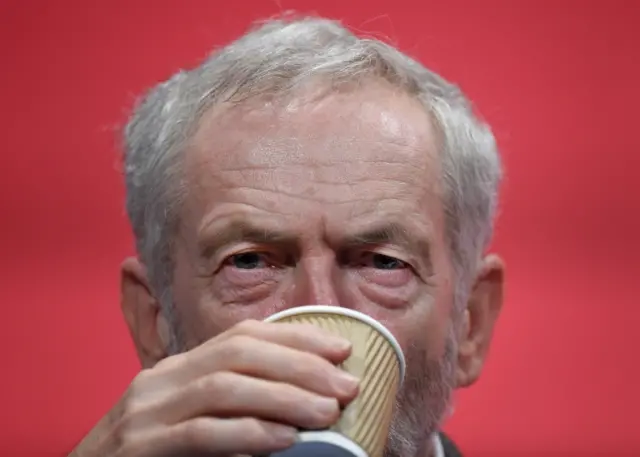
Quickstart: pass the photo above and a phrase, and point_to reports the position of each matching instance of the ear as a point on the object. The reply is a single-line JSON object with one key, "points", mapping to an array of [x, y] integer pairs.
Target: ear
{"points": [[142, 312], [480, 316]]}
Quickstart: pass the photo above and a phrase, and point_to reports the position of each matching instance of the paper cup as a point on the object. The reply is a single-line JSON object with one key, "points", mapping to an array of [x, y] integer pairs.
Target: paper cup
{"points": [[377, 360]]}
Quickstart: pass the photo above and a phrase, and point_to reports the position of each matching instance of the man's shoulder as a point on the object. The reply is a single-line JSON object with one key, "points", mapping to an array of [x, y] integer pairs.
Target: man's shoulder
{"points": [[449, 448]]}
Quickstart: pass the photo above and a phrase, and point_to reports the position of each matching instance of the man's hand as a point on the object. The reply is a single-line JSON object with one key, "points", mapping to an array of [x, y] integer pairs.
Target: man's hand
{"points": [[245, 391]]}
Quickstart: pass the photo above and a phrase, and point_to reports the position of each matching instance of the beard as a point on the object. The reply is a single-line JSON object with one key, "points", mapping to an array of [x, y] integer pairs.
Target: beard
{"points": [[423, 400]]}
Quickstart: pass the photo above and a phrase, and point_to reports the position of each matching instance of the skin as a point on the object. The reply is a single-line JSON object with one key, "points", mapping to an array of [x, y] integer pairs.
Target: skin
{"points": [[333, 200]]}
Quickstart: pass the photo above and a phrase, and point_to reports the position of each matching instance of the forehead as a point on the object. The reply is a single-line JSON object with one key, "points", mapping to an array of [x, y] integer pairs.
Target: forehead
{"points": [[373, 122], [346, 153]]}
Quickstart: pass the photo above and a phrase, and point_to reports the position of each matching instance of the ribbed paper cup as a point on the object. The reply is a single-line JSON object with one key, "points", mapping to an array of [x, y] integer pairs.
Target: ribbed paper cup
{"points": [[376, 359]]}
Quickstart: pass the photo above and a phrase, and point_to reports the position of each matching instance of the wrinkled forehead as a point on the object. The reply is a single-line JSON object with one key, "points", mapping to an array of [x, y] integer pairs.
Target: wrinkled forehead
{"points": [[370, 125]]}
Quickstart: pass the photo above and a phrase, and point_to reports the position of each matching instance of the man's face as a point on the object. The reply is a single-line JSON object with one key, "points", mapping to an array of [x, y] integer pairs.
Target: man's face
{"points": [[335, 202]]}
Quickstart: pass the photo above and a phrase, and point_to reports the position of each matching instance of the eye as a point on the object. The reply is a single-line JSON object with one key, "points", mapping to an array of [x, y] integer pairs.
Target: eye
{"points": [[382, 270], [381, 261], [248, 261]]}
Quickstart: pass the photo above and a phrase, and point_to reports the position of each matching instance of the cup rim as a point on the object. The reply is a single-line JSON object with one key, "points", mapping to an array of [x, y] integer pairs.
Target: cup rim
{"points": [[312, 309], [334, 438]]}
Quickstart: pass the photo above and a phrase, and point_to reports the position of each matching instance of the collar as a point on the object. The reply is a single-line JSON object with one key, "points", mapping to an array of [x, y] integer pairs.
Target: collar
{"points": [[438, 450]]}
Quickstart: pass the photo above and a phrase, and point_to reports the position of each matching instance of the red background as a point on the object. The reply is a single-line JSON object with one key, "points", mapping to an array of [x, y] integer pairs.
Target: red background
{"points": [[559, 82]]}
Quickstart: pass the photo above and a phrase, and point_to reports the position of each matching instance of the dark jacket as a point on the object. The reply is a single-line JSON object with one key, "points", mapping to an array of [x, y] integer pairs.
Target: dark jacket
{"points": [[449, 447]]}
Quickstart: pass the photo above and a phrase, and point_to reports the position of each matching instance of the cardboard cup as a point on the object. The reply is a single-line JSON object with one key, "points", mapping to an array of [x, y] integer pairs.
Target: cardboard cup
{"points": [[377, 360]]}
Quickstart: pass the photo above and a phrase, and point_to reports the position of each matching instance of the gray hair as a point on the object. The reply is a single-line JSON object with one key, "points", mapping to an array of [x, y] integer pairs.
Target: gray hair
{"points": [[273, 59]]}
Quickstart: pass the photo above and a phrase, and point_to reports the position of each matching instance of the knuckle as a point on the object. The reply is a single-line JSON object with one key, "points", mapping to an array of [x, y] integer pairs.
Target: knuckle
{"points": [[126, 432], [137, 402], [247, 327], [141, 382], [235, 347], [132, 413], [132, 401], [171, 363], [217, 386], [195, 433], [253, 430]]}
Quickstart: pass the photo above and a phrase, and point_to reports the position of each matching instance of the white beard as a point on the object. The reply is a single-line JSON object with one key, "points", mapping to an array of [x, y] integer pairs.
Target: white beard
{"points": [[422, 403]]}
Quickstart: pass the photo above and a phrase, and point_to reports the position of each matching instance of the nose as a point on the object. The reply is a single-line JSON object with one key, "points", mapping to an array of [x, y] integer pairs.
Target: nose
{"points": [[315, 282]]}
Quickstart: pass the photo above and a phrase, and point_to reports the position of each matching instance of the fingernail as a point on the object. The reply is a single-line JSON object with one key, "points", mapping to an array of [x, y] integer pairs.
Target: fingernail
{"points": [[345, 382], [326, 407]]}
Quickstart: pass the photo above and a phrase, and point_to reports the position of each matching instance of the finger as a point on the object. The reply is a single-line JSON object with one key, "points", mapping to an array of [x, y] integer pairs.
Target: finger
{"points": [[262, 359], [307, 338], [226, 394], [221, 437], [304, 337]]}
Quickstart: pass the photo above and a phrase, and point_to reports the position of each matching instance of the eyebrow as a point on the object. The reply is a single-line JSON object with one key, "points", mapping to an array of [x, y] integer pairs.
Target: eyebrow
{"points": [[239, 231], [418, 247], [388, 233], [244, 231]]}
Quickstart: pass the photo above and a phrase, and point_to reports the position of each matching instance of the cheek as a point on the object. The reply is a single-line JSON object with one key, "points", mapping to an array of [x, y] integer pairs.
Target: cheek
{"points": [[420, 333], [230, 299], [236, 286], [410, 328], [388, 289]]}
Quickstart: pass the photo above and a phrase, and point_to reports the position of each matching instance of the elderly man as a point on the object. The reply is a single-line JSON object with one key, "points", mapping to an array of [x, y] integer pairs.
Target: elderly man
{"points": [[300, 165]]}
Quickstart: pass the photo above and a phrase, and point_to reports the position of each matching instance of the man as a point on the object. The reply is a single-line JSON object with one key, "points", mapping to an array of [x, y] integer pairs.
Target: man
{"points": [[300, 165]]}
